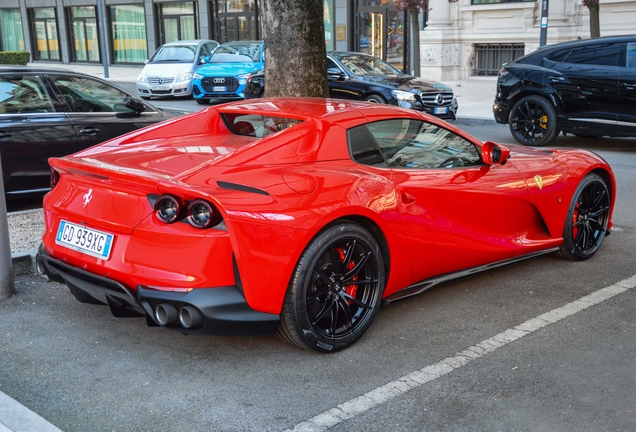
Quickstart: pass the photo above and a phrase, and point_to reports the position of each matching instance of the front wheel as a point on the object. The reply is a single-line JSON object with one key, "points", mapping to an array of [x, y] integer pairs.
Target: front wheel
{"points": [[533, 121], [335, 290], [375, 98], [587, 219]]}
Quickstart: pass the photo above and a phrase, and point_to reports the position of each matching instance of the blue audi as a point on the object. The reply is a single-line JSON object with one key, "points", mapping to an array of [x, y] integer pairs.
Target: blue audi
{"points": [[224, 76]]}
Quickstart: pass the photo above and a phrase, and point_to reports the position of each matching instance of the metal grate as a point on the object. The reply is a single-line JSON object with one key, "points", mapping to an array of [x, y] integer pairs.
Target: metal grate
{"points": [[489, 57]]}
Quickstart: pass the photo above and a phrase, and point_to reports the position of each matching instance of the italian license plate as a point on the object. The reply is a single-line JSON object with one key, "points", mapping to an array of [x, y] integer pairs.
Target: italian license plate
{"points": [[85, 240], [160, 88], [218, 89], [440, 110]]}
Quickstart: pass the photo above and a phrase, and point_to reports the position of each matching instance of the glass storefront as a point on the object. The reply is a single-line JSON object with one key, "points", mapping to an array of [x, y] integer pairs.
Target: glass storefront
{"points": [[46, 45], [11, 36], [178, 21], [85, 44], [381, 31], [128, 30], [330, 25], [236, 20]]}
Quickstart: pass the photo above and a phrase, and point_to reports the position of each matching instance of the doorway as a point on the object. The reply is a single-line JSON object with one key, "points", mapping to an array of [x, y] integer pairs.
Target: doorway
{"points": [[85, 44], [381, 32]]}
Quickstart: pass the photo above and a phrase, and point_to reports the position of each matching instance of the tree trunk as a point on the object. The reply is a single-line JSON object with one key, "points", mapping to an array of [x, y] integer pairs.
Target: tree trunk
{"points": [[595, 25], [415, 29], [295, 52]]}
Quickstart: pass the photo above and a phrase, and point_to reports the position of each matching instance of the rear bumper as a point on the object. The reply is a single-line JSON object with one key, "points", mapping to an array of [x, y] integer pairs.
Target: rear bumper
{"points": [[217, 311]]}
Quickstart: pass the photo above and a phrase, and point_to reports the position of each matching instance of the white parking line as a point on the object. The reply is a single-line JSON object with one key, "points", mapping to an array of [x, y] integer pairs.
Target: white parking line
{"points": [[396, 388]]}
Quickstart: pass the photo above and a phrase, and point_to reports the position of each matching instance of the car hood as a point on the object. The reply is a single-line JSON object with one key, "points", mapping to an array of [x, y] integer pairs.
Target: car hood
{"points": [[228, 69], [166, 70], [406, 83]]}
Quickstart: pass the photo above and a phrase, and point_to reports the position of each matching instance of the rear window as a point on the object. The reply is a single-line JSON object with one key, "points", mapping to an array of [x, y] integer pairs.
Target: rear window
{"points": [[256, 125]]}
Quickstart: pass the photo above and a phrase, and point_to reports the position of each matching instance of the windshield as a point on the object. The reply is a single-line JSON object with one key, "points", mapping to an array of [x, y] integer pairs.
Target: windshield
{"points": [[237, 53], [174, 54], [363, 65]]}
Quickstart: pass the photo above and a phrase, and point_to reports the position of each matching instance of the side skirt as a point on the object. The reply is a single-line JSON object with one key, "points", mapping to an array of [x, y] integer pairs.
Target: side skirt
{"points": [[422, 286]]}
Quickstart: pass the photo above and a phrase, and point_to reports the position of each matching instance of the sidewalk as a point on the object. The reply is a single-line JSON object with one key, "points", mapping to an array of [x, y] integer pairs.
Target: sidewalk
{"points": [[474, 95]]}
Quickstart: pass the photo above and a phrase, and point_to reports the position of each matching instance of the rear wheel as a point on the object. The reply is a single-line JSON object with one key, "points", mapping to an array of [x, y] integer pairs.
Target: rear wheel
{"points": [[533, 121], [335, 290], [586, 223]]}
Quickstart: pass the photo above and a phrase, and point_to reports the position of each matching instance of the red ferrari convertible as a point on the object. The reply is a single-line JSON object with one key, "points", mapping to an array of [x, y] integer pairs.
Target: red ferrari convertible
{"points": [[301, 216]]}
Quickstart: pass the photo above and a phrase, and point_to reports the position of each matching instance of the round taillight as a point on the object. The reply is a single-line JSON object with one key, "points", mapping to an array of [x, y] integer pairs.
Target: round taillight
{"points": [[202, 214], [168, 209]]}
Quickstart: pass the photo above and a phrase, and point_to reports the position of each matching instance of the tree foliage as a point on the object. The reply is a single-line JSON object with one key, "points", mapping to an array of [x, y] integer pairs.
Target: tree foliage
{"points": [[295, 51]]}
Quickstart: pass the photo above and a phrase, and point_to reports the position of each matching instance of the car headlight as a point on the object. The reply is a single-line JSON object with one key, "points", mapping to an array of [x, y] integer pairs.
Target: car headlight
{"points": [[141, 78], [185, 77], [197, 76], [404, 95]]}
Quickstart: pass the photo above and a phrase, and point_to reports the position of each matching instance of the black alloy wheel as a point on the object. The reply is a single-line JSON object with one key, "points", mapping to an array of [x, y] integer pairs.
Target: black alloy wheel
{"points": [[533, 121], [335, 291], [587, 220]]}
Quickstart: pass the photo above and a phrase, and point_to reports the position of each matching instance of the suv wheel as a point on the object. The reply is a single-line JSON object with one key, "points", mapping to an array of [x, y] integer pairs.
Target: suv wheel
{"points": [[533, 121]]}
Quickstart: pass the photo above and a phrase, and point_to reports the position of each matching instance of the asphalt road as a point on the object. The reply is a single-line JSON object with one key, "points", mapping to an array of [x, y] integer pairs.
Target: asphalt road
{"points": [[573, 369]]}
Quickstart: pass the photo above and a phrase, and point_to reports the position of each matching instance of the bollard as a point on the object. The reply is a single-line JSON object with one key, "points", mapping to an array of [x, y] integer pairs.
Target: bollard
{"points": [[7, 288]]}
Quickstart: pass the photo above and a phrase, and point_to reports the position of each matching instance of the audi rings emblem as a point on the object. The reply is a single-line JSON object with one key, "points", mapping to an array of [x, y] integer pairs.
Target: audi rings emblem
{"points": [[218, 80], [439, 99]]}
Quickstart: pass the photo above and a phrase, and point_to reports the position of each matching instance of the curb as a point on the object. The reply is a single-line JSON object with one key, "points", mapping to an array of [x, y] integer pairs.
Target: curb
{"points": [[24, 263]]}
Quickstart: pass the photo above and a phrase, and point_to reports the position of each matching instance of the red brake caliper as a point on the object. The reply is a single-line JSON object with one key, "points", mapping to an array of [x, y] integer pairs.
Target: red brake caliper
{"points": [[351, 289], [575, 218]]}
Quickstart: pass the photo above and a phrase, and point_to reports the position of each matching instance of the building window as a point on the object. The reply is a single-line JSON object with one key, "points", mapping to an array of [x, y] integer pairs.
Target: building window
{"points": [[11, 36], [330, 25], [45, 34], [128, 28], [178, 22], [478, 2], [489, 57], [236, 20], [84, 41]]}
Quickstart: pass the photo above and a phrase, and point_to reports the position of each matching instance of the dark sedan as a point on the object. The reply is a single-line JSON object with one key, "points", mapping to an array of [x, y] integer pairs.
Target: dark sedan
{"points": [[585, 87], [360, 76], [54, 112]]}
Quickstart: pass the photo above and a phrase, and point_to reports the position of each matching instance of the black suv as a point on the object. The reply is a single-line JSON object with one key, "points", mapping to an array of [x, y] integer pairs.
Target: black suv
{"points": [[585, 87]]}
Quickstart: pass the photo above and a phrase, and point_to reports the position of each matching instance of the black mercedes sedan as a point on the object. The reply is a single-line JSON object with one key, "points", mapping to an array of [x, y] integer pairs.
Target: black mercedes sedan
{"points": [[584, 87], [360, 76], [50, 112]]}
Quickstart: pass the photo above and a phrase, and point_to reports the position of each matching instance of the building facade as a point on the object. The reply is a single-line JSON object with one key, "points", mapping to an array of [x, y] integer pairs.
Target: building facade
{"points": [[457, 40]]}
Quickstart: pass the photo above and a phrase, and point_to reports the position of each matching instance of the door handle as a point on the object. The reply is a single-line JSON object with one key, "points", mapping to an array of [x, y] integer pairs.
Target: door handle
{"points": [[556, 78], [407, 198], [5, 135], [629, 86], [90, 130]]}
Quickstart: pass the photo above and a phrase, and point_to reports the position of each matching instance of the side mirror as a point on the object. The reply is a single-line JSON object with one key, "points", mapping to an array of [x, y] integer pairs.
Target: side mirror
{"points": [[203, 60], [494, 154], [334, 73], [134, 104]]}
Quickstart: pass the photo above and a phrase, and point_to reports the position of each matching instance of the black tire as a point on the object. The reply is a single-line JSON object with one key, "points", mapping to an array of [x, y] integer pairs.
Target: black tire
{"points": [[533, 121], [375, 98], [587, 219], [335, 290], [203, 101]]}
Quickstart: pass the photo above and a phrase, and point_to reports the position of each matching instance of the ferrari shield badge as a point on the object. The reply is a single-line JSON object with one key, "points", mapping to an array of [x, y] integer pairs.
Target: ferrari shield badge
{"points": [[539, 181]]}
